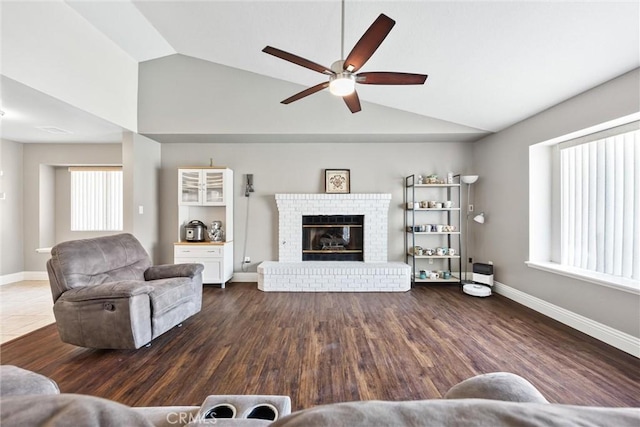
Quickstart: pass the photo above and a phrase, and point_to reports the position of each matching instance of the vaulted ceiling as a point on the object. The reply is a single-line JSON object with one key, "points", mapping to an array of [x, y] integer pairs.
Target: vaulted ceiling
{"points": [[490, 64]]}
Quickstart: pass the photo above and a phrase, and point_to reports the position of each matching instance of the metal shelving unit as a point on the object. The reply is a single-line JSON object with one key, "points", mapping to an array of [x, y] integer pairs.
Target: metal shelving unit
{"points": [[417, 217]]}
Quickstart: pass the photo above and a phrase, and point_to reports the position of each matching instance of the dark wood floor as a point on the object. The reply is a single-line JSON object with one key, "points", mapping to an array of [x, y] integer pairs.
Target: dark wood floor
{"points": [[329, 347]]}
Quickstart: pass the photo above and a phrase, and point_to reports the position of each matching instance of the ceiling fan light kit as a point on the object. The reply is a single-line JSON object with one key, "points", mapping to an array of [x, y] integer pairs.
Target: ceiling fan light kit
{"points": [[342, 84], [342, 80]]}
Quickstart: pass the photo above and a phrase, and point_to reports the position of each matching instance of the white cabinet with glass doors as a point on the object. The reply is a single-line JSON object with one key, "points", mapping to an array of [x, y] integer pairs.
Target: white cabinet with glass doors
{"points": [[204, 187], [206, 194]]}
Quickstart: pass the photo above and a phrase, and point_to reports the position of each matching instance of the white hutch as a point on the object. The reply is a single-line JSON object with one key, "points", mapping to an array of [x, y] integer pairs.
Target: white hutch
{"points": [[206, 194]]}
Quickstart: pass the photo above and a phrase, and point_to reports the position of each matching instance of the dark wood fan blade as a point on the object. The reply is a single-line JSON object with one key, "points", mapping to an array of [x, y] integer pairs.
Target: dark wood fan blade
{"points": [[369, 42], [298, 60], [306, 92], [390, 78], [353, 102]]}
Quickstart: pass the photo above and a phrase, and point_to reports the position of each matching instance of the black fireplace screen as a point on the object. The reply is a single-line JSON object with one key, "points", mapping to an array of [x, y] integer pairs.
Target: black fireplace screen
{"points": [[332, 237]]}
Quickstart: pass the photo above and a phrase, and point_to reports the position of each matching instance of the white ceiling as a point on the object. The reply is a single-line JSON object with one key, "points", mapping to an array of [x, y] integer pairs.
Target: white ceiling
{"points": [[46, 112], [490, 64]]}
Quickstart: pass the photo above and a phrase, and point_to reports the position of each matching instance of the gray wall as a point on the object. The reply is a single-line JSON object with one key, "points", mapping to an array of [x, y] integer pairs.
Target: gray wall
{"points": [[63, 204], [502, 161], [37, 155], [221, 103], [47, 206], [299, 168], [47, 197], [141, 167], [11, 213]]}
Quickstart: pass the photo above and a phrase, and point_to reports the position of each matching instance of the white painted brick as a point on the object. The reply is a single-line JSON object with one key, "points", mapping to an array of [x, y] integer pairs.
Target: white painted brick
{"points": [[333, 276], [292, 207], [375, 274]]}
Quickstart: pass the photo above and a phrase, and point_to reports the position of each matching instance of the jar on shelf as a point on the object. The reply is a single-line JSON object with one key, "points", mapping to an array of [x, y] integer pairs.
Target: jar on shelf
{"points": [[450, 178]]}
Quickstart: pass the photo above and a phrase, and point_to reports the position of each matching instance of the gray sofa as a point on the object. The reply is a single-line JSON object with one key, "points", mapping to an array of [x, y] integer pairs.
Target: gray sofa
{"points": [[494, 400], [108, 295]]}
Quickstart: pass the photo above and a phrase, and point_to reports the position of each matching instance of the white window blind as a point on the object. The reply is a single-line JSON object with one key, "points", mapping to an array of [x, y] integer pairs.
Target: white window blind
{"points": [[600, 204], [96, 199]]}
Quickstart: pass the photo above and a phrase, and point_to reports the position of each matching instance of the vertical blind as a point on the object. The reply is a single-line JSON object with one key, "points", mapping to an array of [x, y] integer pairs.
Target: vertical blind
{"points": [[600, 214], [96, 199]]}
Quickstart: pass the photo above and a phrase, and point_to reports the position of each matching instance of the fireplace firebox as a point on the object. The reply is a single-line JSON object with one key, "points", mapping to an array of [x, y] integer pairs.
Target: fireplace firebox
{"points": [[332, 238]]}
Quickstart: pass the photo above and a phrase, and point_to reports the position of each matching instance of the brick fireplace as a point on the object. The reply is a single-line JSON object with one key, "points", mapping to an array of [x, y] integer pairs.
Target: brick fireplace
{"points": [[375, 273]]}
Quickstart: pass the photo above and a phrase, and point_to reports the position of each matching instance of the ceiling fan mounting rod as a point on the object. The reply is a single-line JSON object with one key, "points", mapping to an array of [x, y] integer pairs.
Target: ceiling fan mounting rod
{"points": [[342, 32], [337, 67]]}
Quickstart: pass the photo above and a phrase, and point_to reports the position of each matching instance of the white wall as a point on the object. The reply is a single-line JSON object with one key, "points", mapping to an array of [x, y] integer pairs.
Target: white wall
{"points": [[299, 168], [11, 211], [502, 161], [48, 46]]}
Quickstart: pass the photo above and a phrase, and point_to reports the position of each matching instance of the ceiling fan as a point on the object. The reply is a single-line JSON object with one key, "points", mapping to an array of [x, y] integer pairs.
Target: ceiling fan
{"points": [[342, 77]]}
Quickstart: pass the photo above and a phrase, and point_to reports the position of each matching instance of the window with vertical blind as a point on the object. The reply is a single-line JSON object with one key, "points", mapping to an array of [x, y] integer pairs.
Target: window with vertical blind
{"points": [[96, 199], [600, 202]]}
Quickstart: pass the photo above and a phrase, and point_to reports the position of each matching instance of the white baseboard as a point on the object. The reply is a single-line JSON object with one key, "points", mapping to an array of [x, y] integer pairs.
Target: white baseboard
{"points": [[239, 276], [11, 278], [23, 275], [618, 339]]}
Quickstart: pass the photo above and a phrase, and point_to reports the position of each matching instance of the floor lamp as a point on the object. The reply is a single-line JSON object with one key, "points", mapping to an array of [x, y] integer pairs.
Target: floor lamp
{"points": [[467, 179]]}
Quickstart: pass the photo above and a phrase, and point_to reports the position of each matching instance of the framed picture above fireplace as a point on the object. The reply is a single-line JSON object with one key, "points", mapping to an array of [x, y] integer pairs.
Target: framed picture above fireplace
{"points": [[337, 181]]}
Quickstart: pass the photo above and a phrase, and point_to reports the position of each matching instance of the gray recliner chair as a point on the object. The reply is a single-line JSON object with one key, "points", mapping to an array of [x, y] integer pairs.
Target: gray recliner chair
{"points": [[107, 294]]}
